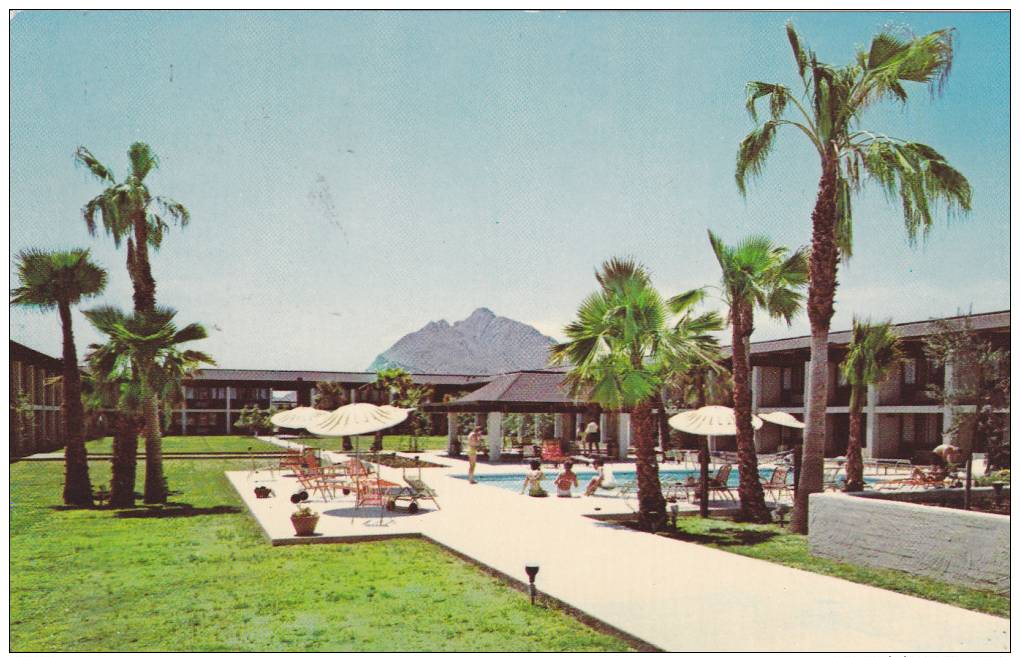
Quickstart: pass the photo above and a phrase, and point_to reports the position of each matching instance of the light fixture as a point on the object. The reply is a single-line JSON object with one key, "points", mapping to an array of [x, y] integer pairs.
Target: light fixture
{"points": [[531, 568]]}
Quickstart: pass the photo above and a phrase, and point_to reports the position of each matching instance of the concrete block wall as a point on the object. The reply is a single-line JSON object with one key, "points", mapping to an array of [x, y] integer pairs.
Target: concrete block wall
{"points": [[960, 547]]}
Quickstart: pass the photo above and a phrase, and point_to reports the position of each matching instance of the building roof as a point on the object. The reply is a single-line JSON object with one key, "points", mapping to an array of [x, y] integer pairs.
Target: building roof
{"points": [[293, 376], [25, 354], [529, 391], [995, 321]]}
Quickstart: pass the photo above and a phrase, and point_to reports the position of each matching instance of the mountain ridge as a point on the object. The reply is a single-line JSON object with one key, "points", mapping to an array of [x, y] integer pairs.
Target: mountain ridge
{"points": [[481, 343]]}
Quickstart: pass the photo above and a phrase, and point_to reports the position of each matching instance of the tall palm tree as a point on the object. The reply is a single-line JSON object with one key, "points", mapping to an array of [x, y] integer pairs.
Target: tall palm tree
{"points": [[128, 209], [621, 346], [143, 348], [871, 355], [61, 279], [756, 275], [829, 112], [395, 381]]}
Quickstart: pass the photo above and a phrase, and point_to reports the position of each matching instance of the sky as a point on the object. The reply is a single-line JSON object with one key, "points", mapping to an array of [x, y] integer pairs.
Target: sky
{"points": [[353, 176]]}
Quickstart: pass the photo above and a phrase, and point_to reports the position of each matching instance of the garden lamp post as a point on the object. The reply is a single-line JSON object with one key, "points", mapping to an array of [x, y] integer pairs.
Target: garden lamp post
{"points": [[531, 568]]}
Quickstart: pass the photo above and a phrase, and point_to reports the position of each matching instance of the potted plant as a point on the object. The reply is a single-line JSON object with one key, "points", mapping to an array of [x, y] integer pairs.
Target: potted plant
{"points": [[262, 492], [304, 521]]}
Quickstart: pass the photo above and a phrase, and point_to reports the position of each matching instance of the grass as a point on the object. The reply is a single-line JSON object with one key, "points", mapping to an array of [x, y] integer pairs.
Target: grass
{"points": [[197, 575], [390, 443], [192, 444], [771, 543]]}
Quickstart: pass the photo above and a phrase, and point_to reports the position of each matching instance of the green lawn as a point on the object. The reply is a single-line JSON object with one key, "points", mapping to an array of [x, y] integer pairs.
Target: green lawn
{"points": [[771, 543], [192, 444], [390, 443], [198, 575]]}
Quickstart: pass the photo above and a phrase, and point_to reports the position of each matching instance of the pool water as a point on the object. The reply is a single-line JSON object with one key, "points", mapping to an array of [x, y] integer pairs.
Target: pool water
{"points": [[515, 482]]}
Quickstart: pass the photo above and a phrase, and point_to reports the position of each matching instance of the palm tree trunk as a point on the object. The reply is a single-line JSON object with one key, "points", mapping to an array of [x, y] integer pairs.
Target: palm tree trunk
{"points": [[752, 496], [77, 486], [347, 446], [125, 460], [821, 293], [651, 503], [377, 442], [139, 267], [854, 465], [155, 482]]}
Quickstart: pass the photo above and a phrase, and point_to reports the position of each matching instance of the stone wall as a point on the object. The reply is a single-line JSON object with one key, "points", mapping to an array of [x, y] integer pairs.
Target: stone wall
{"points": [[960, 547]]}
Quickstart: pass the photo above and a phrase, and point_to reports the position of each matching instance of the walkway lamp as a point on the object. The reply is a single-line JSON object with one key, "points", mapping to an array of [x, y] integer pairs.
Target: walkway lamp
{"points": [[531, 568]]}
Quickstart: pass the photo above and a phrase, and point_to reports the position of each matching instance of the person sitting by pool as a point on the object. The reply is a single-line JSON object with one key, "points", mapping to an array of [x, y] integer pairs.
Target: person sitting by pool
{"points": [[533, 481], [603, 478], [566, 479]]}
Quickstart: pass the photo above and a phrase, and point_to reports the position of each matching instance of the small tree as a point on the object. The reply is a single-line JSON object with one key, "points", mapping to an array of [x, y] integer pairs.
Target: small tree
{"points": [[977, 375], [254, 419], [871, 355]]}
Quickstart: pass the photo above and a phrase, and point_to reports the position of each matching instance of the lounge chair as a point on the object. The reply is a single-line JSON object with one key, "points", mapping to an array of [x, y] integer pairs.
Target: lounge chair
{"points": [[371, 492], [830, 478], [934, 477], [419, 490]]}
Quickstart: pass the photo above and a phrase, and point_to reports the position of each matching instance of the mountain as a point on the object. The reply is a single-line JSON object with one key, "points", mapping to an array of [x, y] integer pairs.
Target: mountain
{"points": [[484, 343]]}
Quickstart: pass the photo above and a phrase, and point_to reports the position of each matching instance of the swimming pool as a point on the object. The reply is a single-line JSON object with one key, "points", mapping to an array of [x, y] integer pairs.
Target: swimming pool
{"points": [[515, 482]]}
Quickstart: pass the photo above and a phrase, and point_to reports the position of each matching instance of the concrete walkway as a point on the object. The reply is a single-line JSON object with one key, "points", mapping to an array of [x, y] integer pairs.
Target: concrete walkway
{"points": [[675, 595]]}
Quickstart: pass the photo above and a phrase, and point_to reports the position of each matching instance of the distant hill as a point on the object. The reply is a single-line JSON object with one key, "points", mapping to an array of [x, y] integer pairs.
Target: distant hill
{"points": [[484, 343]]}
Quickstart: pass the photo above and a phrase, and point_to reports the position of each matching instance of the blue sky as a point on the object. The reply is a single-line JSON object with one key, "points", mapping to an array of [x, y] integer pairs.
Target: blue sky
{"points": [[352, 176]]}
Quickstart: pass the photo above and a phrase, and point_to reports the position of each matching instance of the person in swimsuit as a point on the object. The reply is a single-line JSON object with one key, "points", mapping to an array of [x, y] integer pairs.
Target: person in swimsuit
{"points": [[533, 481], [473, 442], [566, 480]]}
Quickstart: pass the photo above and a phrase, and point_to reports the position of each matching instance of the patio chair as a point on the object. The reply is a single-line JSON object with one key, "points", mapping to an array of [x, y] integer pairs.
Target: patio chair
{"points": [[370, 493], [830, 478], [934, 477], [776, 485], [314, 482], [420, 490], [551, 453], [718, 482]]}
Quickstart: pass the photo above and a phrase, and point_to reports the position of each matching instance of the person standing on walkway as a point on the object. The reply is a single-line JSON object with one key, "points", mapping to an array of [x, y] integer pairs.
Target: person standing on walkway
{"points": [[473, 442], [591, 436]]}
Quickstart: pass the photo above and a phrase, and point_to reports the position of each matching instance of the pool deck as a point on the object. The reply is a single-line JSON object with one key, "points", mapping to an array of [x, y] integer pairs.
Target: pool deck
{"points": [[675, 595]]}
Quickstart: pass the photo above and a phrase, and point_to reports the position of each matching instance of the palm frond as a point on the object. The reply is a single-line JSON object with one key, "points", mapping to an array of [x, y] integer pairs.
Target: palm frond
{"points": [[754, 149], [84, 157]]}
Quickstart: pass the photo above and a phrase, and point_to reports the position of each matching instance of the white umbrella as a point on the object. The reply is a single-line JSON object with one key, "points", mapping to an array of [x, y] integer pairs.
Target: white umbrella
{"points": [[782, 419], [297, 418], [710, 421], [356, 419]]}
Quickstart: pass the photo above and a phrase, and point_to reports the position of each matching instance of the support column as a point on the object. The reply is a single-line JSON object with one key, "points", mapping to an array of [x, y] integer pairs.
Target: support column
{"points": [[451, 430], [536, 419], [558, 426], [230, 425], [871, 423], [623, 439], [184, 419], [756, 375], [354, 395], [604, 431], [947, 411], [495, 431]]}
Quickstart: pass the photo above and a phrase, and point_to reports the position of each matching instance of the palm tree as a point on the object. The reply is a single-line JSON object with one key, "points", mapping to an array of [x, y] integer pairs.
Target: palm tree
{"points": [[621, 347], [143, 348], [871, 355], [756, 274], [395, 381], [128, 209], [62, 279], [834, 102]]}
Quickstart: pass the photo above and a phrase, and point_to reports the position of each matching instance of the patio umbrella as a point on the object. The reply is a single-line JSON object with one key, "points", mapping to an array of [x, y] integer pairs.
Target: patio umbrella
{"points": [[297, 418], [357, 419], [787, 420], [708, 421]]}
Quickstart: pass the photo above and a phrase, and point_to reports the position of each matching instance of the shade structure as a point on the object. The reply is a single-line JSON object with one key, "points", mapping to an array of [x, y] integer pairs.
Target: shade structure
{"points": [[782, 419], [709, 421], [357, 419], [297, 418]]}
